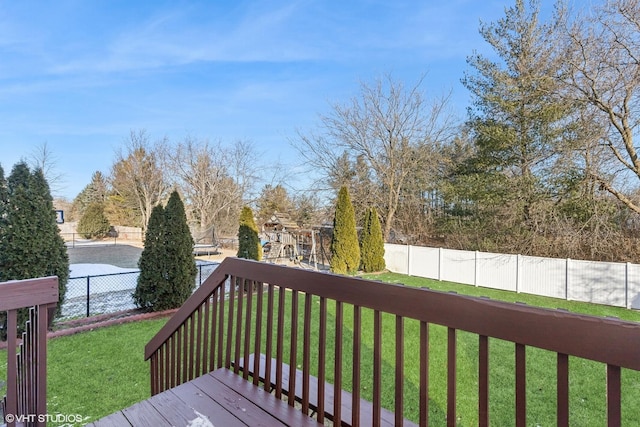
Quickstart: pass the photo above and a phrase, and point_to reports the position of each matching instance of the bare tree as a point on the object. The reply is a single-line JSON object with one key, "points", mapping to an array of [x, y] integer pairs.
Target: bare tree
{"points": [[138, 174], [389, 127], [214, 179], [603, 71], [42, 157]]}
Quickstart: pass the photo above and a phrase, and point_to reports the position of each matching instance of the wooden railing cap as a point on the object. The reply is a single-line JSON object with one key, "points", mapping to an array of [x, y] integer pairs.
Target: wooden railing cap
{"points": [[16, 294]]}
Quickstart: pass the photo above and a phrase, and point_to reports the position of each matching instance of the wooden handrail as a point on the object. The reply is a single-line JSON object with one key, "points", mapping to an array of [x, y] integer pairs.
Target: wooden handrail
{"points": [[28, 293], [26, 397], [207, 333]]}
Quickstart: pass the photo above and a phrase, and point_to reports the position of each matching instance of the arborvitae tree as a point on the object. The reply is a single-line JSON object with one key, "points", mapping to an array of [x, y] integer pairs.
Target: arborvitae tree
{"points": [[371, 243], [93, 222], [248, 241], [182, 270], [167, 266], [18, 242], [151, 281], [3, 204], [31, 245], [345, 252], [53, 255]]}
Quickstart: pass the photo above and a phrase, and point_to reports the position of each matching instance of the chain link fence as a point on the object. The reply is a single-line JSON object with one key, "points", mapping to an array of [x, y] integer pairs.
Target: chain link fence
{"points": [[73, 240], [109, 293]]}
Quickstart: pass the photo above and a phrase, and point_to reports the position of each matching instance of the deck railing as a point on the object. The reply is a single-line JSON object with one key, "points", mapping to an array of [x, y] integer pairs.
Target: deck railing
{"points": [[26, 395], [342, 331]]}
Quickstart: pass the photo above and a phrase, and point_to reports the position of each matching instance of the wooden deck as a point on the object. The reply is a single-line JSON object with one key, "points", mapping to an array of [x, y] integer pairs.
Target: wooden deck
{"points": [[219, 398]]}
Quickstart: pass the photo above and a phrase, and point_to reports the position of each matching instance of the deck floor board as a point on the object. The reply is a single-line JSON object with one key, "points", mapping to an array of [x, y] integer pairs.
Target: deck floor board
{"points": [[144, 414], [219, 398], [267, 402], [203, 405]]}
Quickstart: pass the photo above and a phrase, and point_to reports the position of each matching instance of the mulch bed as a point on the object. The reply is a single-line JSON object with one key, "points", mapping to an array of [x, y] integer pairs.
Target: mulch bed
{"points": [[70, 327]]}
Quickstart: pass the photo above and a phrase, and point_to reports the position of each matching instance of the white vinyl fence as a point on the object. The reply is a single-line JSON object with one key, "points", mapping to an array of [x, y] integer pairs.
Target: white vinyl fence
{"points": [[610, 283]]}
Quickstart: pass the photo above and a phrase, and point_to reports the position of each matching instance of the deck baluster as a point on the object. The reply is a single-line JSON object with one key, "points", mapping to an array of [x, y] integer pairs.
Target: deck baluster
{"points": [[614, 413], [337, 367], [27, 361], [483, 381], [451, 377], [355, 364], [424, 374], [521, 386], [306, 350], [247, 326], [258, 335], [293, 351], [377, 367], [269, 342], [279, 342], [322, 358]]}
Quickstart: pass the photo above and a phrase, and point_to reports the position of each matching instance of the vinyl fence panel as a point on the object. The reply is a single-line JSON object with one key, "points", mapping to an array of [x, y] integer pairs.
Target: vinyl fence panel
{"points": [[633, 286], [396, 257], [458, 266], [616, 284], [424, 262], [543, 276], [597, 282], [497, 271]]}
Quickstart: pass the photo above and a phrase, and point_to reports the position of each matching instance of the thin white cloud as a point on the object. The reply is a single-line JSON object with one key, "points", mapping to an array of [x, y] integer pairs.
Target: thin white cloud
{"points": [[171, 39], [272, 32]]}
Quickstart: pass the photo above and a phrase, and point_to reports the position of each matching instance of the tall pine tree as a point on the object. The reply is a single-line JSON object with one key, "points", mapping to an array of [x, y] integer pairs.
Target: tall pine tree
{"points": [[94, 192], [521, 129], [248, 241], [371, 243], [345, 252]]}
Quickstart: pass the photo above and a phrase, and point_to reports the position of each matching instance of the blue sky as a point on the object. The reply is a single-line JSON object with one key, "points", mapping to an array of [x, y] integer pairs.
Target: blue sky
{"points": [[79, 75]]}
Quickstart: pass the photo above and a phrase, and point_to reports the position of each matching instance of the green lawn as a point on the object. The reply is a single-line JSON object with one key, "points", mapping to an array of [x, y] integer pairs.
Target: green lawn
{"points": [[98, 372], [587, 379]]}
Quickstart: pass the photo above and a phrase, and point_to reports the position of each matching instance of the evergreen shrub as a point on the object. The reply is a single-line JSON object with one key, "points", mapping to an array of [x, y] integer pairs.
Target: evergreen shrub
{"points": [[93, 223], [371, 243], [167, 265], [345, 251]]}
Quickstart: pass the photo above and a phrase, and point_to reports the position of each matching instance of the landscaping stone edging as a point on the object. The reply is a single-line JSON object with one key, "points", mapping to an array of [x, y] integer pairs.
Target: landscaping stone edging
{"points": [[75, 326]]}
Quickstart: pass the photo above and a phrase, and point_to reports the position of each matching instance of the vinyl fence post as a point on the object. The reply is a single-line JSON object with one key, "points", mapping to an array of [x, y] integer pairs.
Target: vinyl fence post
{"points": [[88, 285], [476, 271], [518, 272], [440, 256], [408, 260], [567, 280], [626, 284]]}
